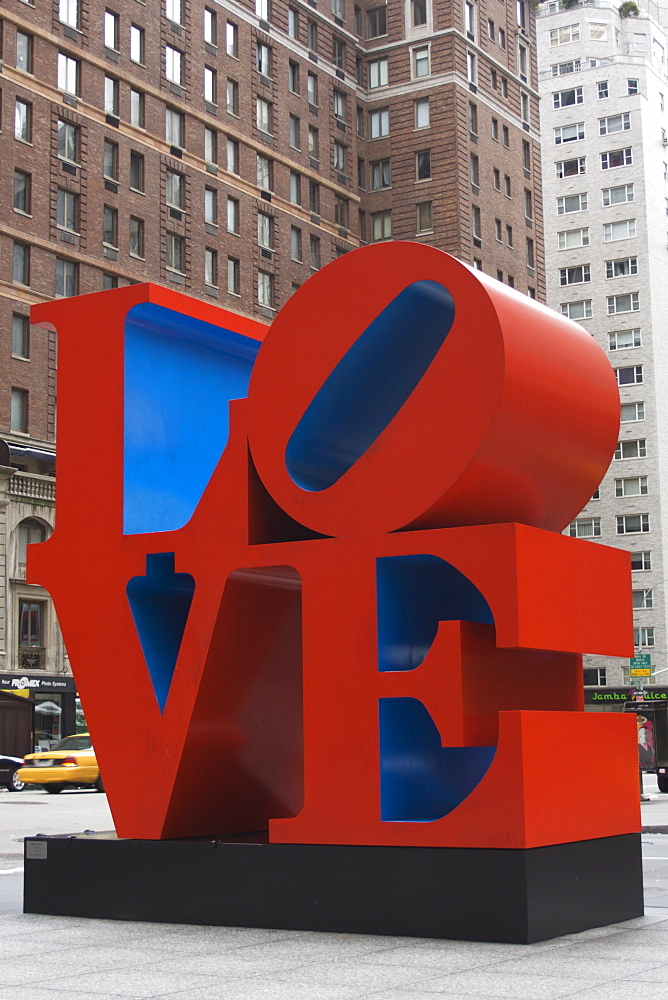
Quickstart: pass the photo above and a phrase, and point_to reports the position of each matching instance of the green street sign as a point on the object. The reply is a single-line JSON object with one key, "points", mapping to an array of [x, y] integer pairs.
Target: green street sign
{"points": [[641, 660]]}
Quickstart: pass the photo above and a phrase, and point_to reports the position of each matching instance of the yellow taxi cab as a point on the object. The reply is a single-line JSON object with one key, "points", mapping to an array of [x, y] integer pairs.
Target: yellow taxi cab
{"points": [[70, 763]]}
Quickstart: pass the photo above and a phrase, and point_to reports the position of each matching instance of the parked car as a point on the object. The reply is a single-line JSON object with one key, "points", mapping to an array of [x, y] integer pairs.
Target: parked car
{"points": [[70, 763], [9, 767]]}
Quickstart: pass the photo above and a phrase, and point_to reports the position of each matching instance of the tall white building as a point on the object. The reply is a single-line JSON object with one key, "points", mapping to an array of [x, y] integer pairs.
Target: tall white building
{"points": [[604, 124]]}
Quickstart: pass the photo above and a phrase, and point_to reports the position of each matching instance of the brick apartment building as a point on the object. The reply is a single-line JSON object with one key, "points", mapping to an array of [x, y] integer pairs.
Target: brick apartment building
{"points": [[228, 149]]}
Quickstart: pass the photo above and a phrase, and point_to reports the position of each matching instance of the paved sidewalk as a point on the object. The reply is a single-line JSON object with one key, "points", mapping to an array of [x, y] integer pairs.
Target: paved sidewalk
{"points": [[56, 958], [65, 958]]}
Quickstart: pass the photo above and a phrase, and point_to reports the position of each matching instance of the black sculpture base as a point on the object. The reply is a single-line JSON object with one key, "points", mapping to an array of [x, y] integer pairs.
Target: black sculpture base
{"points": [[482, 895]]}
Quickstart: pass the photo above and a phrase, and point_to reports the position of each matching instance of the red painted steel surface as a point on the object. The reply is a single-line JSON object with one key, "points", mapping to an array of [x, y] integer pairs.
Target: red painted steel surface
{"points": [[272, 713]]}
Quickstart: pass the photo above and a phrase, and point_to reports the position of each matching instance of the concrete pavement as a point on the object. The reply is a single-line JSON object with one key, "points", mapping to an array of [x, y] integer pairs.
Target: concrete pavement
{"points": [[60, 958]]}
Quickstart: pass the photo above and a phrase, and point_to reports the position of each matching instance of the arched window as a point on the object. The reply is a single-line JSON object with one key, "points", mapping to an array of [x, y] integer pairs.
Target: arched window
{"points": [[29, 531]]}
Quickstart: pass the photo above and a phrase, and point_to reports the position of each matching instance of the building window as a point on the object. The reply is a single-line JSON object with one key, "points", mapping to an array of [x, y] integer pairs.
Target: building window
{"points": [[23, 120], [502, 38], [564, 68], [562, 36], [210, 85], [570, 168], [136, 171], [210, 206], [294, 132], [211, 267], [585, 527], [312, 89], [569, 133], [265, 230], [380, 174], [20, 264], [314, 252], [632, 524], [498, 230], [295, 188], [632, 87], [67, 277], [110, 226], [174, 127], [232, 39], [618, 195], [574, 275], [631, 449], [173, 11], [296, 244], [530, 254], [423, 165], [68, 74], [263, 59], [136, 237], [641, 561], [110, 160], [623, 303], [174, 65], [18, 416], [233, 215], [312, 35], [174, 189], [265, 289], [421, 62], [20, 336], [476, 224], [293, 77], [22, 192], [624, 230], [381, 225], [24, 51], [634, 486], [175, 252], [595, 677], [509, 236], [379, 123], [378, 73], [474, 169], [67, 210], [233, 276], [232, 156], [632, 412], [567, 98], [424, 217], [643, 599], [339, 157], [263, 115], [621, 268], [338, 53], [528, 204], [339, 105], [577, 310], [314, 197], [111, 30], [643, 637], [262, 9], [630, 375], [614, 123], [313, 142], [341, 212], [232, 97], [421, 111], [620, 340], [376, 22], [211, 145], [137, 108], [110, 95], [571, 239], [572, 203], [68, 12], [616, 158], [210, 26], [471, 68]]}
